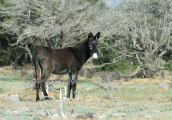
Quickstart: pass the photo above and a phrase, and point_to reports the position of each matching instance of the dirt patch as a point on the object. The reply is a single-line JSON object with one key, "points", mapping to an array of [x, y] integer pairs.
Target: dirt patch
{"points": [[87, 98], [30, 70], [148, 80]]}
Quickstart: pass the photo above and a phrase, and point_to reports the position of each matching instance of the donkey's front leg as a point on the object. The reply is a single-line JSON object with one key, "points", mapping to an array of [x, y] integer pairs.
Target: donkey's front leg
{"points": [[74, 81], [69, 85], [73, 89], [69, 88]]}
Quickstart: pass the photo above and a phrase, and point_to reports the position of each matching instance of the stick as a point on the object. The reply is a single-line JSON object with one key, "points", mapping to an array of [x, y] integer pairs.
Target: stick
{"points": [[60, 94], [65, 91]]}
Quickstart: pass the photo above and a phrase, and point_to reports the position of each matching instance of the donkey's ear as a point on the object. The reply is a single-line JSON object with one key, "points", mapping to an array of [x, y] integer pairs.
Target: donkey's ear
{"points": [[90, 36], [97, 36]]}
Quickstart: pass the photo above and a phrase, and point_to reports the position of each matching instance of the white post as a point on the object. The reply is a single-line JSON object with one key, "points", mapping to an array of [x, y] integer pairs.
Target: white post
{"points": [[60, 94], [65, 92], [47, 89]]}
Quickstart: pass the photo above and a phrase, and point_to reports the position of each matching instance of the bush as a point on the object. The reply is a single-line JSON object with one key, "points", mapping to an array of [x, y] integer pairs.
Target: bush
{"points": [[106, 77], [168, 65], [85, 72], [109, 76], [123, 65], [82, 72], [116, 75], [90, 73]]}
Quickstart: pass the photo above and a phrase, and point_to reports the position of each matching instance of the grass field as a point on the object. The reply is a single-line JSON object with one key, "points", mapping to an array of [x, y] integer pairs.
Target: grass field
{"points": [[136, 99]]}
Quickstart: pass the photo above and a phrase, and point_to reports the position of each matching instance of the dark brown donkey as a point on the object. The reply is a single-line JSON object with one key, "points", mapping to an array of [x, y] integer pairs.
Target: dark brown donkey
{"points": [[66, 60]]}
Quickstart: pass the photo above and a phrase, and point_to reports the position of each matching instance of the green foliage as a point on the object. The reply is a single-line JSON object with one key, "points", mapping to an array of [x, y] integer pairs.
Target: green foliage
{"points": [[108, 55], [93, 2], [5, 59], [123, 65], [2, 3], [8, 53], [168, 65], [11, 53]]}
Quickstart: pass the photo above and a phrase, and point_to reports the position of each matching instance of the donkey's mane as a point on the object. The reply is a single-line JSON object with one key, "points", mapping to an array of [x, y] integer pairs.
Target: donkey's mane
{"points": [[82, 42]]}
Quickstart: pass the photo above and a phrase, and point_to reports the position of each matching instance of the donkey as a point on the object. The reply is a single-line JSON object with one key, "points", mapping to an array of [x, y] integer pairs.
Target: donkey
{"points": [[66, 60]]}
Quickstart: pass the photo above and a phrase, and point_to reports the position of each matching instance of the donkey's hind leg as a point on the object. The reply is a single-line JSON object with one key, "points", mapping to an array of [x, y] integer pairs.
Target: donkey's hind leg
{"points": [[44, 78], [38, 76], [37, 84]]}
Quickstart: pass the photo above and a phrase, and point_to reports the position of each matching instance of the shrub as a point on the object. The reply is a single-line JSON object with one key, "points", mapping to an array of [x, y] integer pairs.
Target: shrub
{"points": [[90, 73], [106, 77], [109, 76], [123, 65], [85, 72], [82, 72], [168, 65]]}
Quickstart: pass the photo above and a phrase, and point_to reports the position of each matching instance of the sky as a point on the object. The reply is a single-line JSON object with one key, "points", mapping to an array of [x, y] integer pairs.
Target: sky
{"points": [[111, 3]]}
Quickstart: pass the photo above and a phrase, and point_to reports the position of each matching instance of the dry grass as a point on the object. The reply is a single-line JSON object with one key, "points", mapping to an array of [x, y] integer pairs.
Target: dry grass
{"points": [[126, 102]]}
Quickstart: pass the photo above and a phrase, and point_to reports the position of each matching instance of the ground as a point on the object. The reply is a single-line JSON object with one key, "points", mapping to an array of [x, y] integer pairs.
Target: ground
{"points": [[134, 99]]}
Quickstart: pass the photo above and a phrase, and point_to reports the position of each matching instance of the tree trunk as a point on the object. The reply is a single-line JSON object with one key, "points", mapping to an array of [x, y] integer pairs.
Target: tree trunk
{"points": [[147, 72]]}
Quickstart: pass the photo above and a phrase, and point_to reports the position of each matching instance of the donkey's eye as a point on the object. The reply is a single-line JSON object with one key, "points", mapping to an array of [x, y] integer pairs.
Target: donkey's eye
{"points": [[90, 47], [97, 46]]}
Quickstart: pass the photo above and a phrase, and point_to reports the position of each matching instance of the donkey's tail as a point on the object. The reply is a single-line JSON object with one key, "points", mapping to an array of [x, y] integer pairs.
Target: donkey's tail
{"points": [[37, 66]]}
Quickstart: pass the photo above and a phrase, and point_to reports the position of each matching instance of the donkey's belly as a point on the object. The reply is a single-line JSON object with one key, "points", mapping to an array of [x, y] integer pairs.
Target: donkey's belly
{"points": [[60, 71]]}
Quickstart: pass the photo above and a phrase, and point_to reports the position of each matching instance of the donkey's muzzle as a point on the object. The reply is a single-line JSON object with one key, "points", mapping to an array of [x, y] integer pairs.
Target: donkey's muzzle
{"points": [[94, 57]]}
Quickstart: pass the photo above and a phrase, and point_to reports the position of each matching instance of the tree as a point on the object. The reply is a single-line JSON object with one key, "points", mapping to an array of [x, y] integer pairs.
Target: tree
{"points": [[44, 22], [140, 30], [7, 54]]}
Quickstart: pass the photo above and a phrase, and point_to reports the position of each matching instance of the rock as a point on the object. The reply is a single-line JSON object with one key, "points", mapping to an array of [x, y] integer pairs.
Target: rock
{"points": [[85, 116], [102, 116], [14, 98], [1, 97], [147, 116], [119, 114], [163, 85]]}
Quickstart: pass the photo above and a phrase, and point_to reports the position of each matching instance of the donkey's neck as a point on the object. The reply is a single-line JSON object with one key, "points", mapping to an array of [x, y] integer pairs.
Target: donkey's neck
{"points": [[84, 52], [87, 53]]}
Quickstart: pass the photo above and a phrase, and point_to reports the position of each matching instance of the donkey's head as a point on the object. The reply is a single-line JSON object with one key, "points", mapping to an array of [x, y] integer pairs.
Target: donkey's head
{"points": [[93, 45]]}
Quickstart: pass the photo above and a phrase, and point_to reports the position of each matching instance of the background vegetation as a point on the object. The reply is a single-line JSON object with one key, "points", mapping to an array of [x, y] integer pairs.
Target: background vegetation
{"points": [[134, 33]]}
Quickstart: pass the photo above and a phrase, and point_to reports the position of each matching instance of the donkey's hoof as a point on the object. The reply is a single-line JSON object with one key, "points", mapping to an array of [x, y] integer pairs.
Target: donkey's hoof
{"points": [[37, 99], [46, 98]]}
